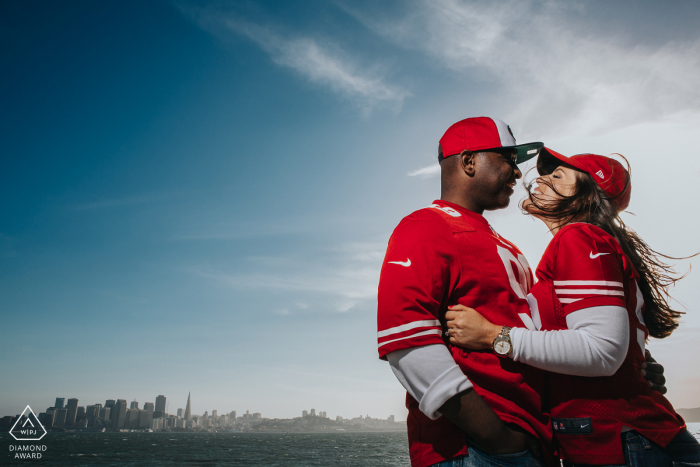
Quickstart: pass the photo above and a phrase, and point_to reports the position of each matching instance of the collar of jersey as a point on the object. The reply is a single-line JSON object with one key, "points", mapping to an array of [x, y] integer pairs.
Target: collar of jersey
{"points": [[464, 211]]}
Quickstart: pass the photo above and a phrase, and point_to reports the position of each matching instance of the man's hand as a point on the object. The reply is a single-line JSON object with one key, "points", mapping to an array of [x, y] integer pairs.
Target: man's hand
{"points": [[653, 372], [470, 413]]}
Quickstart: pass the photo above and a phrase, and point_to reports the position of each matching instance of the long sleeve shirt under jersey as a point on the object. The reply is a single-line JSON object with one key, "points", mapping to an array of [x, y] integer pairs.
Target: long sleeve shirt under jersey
{"points": [[594, 345]]}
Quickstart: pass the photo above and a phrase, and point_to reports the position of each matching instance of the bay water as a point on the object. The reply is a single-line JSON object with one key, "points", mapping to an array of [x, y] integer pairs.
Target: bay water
{"points": [[220, 449]]}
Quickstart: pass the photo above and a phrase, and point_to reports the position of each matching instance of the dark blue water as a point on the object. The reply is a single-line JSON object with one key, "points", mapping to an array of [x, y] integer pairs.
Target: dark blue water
{"points": [[215, 449]]}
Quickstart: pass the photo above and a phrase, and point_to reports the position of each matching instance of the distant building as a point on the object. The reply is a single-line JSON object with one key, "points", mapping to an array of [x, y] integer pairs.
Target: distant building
{"points": [[72, 412], [160, 404], [134, 405], [232, 416], [92, 412], [188, 409], [304, 413], [313, 412], [157, 424], [59, 417], [118, 414], [179, 413], [59, 402], [214, 413], [109, 403], [131, 420], [322, 414], [145, 419], [257, 416], [47, 419], [391, 419], [338, 418], [104, 413], [148, 406]]}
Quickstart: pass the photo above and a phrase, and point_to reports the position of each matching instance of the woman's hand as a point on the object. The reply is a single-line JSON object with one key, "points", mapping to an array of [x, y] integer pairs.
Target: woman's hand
{"points": [[467, 328]]}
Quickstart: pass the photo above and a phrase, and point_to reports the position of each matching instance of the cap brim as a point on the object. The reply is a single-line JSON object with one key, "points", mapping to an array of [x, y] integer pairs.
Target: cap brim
{"points": [[527, 151], [549, 160]]}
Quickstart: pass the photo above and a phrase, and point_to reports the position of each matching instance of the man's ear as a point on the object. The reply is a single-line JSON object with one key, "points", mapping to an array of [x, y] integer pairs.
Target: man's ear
{"points": [[467, 162]]}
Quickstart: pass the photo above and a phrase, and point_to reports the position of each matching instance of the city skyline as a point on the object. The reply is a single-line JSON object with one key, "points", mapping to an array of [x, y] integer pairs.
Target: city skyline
{"points": [[160, 404]]}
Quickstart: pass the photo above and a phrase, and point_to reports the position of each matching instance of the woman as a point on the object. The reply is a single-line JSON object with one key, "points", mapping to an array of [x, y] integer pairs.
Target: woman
{"points": [[601, 292]]}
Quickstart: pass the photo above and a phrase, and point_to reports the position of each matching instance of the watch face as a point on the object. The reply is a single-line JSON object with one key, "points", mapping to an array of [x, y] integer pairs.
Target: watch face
{"points": [[501, 347]]}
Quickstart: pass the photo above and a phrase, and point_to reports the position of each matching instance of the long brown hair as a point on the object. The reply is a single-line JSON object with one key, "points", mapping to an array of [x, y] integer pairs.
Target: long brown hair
{"points": [[590, 204]]}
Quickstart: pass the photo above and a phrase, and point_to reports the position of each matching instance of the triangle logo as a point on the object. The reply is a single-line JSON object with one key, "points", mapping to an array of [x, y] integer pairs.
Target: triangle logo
{"points": [[27, 427]]}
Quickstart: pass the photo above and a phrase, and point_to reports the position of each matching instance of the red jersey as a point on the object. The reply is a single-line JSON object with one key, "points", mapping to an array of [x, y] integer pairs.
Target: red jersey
{"points": [[585, 267], [443, 255]]}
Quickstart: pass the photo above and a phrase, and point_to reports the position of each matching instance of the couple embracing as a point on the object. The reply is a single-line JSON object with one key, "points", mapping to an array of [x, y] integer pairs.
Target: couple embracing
{"points": [[502, 370]]}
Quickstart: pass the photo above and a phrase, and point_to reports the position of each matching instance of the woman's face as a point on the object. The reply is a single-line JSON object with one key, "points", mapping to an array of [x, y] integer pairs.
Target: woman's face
{"points": [[552, 187]]}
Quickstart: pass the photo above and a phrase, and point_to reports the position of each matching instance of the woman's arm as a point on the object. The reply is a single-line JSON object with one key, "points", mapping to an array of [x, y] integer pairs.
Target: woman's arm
{"points": [[595, 344]]}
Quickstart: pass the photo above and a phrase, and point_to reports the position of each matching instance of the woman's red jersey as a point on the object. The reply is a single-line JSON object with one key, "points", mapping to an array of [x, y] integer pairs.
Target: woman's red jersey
{"points": [[585, 267]]}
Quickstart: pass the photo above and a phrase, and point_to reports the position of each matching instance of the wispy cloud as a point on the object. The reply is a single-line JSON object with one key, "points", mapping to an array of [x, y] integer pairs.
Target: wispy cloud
{"points": [[555, 78], [426, 172], [341, 279], [318, 60]]}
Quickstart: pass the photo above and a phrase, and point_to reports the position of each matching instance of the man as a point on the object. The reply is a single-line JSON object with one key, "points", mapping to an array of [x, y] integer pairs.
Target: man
{"points": [[446, 254]]}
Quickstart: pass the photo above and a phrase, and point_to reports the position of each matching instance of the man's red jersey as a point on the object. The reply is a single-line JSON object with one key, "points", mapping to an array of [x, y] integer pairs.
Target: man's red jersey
{"points": [[585, 267], [443, 255]]}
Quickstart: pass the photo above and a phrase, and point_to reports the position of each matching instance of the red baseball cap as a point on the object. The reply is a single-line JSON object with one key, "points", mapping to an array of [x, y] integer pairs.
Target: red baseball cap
{"points": [[608, 173], [481, 133]]}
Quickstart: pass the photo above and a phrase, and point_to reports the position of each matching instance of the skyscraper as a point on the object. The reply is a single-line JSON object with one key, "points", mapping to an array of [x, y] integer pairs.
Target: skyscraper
{"points": [[188, 410], [118, 414], [160, 404], [59, 402], [148, 406], [59, 417], [72, 412], [179, 413], [134, 405]]}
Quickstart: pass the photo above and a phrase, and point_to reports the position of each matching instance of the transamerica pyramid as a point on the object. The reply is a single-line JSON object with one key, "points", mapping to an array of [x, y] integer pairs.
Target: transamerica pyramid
{"points": [[188, 413]]}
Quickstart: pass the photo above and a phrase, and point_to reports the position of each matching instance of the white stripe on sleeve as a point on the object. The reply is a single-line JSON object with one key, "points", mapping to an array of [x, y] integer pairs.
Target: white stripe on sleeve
{"points": [[405, 327], [606, 283], [424, 333]]}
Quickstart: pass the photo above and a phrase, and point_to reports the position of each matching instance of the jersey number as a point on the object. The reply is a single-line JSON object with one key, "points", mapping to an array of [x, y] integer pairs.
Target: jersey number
{"points": [[521, 285]]}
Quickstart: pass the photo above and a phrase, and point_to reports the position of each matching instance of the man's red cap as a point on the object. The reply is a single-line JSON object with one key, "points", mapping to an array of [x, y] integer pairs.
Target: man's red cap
{"points": [[481, 133], [608, 173]]}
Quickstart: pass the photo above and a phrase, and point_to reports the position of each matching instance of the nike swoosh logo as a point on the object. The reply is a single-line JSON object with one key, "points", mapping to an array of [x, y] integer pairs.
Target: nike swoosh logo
{"points": [[584, 426], [402, 263], [598, 254]]}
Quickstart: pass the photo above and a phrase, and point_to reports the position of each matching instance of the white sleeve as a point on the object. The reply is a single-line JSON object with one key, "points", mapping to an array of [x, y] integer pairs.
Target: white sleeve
{"points": [[430, 375], [595, 344]]}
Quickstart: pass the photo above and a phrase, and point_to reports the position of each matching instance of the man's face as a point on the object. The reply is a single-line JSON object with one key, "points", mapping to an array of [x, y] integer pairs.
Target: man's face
{"points": [[497, 174]]}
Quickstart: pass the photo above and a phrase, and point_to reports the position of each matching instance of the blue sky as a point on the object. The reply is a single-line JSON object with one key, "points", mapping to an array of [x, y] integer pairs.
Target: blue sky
{"points": [[196, 196]]}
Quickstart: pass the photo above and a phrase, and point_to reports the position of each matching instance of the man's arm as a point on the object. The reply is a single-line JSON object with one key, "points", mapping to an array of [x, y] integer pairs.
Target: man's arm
{"points": [[472, 415], [432, 377]]}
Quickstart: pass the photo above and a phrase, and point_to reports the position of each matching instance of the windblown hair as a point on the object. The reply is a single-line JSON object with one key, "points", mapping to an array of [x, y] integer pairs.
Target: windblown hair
{"points": [[590, 204]]}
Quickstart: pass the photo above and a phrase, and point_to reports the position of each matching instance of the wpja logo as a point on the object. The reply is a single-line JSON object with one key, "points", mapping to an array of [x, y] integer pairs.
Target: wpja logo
{"points": [[27, 428]]}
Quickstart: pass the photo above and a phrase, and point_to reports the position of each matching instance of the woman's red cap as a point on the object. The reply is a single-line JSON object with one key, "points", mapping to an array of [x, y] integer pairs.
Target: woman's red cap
{"points": [[608, 173]]}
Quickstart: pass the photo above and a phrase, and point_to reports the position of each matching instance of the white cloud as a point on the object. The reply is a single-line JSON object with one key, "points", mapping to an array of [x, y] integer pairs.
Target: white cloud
{"points": [[320, 61], [426, 172], [554, 78], [337, 280]]}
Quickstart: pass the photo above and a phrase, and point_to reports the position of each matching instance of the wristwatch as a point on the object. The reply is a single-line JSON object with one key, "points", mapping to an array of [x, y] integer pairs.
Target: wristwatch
{"points": [[501, 344]]}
